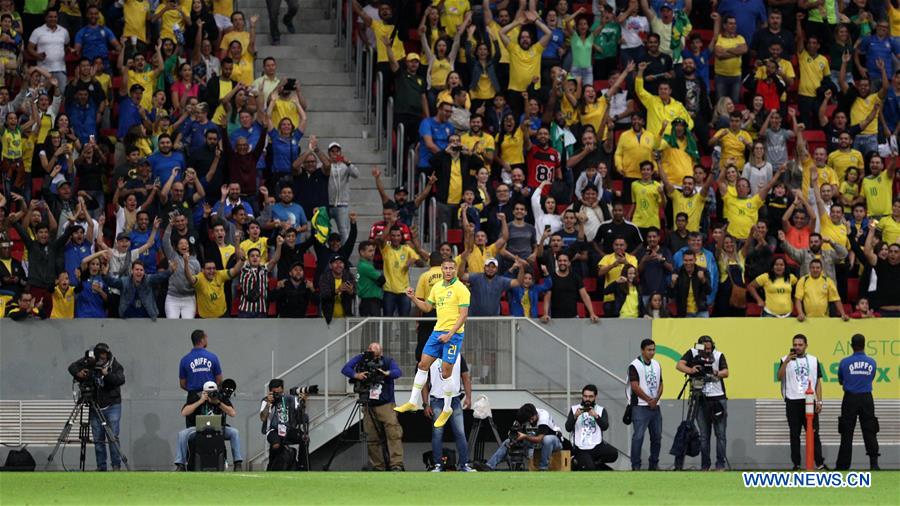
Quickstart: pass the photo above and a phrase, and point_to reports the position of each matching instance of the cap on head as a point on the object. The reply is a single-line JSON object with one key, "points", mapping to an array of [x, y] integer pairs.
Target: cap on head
{"points": [[413, 56], [210, 386], [491, 260], [333, 145]]}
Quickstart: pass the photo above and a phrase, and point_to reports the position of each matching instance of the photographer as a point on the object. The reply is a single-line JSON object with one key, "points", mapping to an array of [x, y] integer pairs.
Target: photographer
{"points": [[532, 427], [374, 375], [798, 371], [646, 388], [707, 367], [586, 422], [282, 416], [102, 374], [207, 402]]}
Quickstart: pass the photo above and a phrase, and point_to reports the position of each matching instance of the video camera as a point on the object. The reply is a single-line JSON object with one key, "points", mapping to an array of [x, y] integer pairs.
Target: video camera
{"points": [[517, 449], [87, 387], [704, 360], [372, 367], [225, 392]]}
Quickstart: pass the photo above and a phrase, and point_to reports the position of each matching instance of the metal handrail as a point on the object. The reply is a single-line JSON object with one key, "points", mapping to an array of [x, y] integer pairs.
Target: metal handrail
{"points": [[421, 216], [444, 230], [432, 223], [388, 133], [379, 110], [357, 70], [399, 153], [338, 14], [367, 84], [569, 351], [411, 173], [348, 44]]}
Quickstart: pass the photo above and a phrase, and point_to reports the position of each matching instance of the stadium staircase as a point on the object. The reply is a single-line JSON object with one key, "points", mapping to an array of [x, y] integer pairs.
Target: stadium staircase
{"points": [[329, 411], [326, 72]]}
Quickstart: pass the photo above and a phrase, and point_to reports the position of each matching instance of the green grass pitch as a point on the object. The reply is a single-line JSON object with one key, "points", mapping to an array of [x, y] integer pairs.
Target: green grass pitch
{"points": [[388, 489]]}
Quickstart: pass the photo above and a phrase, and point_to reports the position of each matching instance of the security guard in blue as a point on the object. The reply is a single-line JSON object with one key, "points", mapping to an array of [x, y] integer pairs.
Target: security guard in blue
{"points": [[856, 374]]}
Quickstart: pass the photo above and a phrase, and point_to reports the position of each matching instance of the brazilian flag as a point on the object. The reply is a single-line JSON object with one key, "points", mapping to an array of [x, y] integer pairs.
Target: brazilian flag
{"points": [[321, 224]]}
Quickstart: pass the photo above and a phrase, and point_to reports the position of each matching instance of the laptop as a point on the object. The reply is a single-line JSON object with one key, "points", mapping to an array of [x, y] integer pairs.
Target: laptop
{"points": [[209, 422]]}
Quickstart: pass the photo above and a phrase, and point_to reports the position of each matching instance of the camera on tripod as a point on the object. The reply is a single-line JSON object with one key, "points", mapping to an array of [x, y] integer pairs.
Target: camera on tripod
{"points": [[706, 374], [518, 450], [372, 367]]}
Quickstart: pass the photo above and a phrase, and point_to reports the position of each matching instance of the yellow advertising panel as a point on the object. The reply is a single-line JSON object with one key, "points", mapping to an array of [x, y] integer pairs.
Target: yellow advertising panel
{"points": [[753, 348]]}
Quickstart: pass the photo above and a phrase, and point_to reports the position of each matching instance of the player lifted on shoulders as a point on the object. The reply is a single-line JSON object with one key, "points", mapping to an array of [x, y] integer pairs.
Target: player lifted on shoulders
{"points": [[450, 299]]}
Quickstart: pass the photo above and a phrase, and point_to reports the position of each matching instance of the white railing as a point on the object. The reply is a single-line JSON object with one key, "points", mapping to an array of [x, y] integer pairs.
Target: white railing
{"points": [[388, 130], [399, 153]]}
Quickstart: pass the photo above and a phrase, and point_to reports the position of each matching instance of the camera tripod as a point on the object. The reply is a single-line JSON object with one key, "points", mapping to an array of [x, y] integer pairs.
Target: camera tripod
{"points": [[84, 432], [356, 416]]}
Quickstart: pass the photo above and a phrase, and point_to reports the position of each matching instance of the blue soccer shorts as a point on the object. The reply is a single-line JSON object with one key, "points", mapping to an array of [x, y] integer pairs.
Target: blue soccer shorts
{"points": [[449, 351]]}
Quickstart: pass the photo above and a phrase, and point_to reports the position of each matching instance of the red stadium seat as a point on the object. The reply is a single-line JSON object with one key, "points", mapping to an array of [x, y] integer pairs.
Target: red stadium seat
{"points": [[814, 139], [590, 284], [600, 85], [581, 311], [753, 309], [598, 307], [504, 308], [455, 236], [705, 35], [852, 290]]}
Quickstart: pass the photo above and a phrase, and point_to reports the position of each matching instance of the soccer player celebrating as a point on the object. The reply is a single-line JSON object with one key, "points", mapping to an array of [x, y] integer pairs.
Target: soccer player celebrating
{"points": [[450, 299]]}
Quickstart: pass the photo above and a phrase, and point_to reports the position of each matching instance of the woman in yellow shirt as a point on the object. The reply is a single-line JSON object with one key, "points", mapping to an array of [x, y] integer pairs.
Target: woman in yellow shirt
{"points": [[453, 81], [731, 274], [485, 62], [778, 285], [511, 144], [440, 60]]}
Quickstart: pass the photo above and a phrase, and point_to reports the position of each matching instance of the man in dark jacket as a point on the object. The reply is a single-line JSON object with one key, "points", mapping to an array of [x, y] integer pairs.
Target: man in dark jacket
{"points": [[42, 257], [337, 298], [332, 248], [294, 294], [100, 370], [586, 423], [453, 164], [12, 275], [690, 90], [691, 282]]}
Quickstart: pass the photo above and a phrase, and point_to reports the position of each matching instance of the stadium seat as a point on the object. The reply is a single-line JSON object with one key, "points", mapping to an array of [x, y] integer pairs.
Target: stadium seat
{"points": [[581, 311], [753, 309], [598, 307], [504, 308], [590, 284], [705, 35], [814, 139], [852, 290], [455, 236]]}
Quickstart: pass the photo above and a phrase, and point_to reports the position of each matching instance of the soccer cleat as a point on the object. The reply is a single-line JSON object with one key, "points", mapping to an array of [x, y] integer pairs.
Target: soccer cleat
{"points": [[406, 407], [437, 468], [466, 468], [442, 418]]}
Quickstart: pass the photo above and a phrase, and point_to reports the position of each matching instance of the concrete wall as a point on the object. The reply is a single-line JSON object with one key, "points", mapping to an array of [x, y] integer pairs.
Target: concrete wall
{"points": [[34, 357]]}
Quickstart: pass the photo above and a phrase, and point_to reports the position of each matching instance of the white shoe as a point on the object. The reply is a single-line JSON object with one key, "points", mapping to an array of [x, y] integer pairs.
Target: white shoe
{"points": [[468, 469], [437, 469]]}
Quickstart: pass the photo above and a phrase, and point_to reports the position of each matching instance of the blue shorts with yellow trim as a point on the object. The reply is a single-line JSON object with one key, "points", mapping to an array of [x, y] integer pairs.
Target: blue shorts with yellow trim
{"points": [[447, 351]]}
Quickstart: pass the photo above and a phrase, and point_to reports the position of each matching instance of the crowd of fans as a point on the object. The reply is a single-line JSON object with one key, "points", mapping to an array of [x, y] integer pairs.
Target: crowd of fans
{"points": [[648, 158]]}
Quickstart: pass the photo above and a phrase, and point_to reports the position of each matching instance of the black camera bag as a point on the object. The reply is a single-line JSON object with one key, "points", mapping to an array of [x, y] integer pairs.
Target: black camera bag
{"points": [[19, 460]]}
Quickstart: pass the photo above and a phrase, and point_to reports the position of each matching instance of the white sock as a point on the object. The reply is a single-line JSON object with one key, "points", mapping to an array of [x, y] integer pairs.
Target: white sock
{"points": [[451, 386], [415, 397]]}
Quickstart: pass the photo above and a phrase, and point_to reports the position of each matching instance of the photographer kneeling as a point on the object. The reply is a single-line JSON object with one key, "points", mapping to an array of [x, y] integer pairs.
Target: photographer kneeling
{"points": [[283, 419], [208, 402], [545, 433], [373, 377], [586, 422], [99, 377], [707, 369]]}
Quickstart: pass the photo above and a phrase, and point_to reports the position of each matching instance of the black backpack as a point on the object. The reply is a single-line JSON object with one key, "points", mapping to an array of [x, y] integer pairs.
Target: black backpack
{"points": [[19, 460], [283, 459]]}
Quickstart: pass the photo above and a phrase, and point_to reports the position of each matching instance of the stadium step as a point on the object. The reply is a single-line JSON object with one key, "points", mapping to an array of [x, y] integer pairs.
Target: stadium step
{"points": [[335, 112]]}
